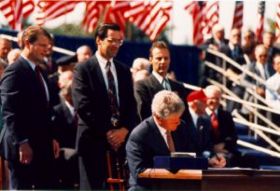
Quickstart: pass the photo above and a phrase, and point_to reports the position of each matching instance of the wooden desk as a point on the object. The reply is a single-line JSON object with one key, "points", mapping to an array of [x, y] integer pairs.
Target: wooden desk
{"points": [[212, 180]]}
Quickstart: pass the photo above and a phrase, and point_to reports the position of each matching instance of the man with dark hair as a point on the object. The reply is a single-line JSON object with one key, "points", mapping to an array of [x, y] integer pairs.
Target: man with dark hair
{"points": [[28, 142], [147, 88], [103, 98]]}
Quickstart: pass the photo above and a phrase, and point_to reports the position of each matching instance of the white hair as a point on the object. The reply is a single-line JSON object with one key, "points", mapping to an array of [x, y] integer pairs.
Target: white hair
{"points": [[166, 103], [212, 90]]}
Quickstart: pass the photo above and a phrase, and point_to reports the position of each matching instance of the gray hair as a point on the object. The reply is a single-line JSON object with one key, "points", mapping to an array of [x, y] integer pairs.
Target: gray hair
{"points": [[166, 103]]}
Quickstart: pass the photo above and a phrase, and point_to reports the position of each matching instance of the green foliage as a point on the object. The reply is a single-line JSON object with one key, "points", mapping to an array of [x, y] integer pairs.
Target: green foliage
{"points": [[135, 34], [271, 24], [70, 30], [132, 33]]}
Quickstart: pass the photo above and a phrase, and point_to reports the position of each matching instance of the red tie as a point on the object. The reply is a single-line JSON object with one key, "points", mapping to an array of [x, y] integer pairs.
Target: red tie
{"points": [[214, 121], [215, 124]]}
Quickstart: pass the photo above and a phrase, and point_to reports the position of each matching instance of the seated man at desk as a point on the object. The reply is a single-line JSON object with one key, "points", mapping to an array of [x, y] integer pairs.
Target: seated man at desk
{"points": [[159, 135]]}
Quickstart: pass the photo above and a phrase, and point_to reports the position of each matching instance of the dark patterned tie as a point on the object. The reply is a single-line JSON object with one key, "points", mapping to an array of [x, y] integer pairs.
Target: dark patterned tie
{"points": [[112, 95], [41, 83], [170, 141]]}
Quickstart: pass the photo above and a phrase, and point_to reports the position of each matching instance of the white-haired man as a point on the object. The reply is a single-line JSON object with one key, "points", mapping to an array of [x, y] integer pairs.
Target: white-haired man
{"points": [[150, 138]]}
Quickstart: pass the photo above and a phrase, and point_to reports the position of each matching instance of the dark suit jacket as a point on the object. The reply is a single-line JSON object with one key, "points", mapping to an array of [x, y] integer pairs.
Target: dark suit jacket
{"points": [[145, 142], [237, 56], [201, 134], [214, 59], [65, 125], [92, 104], [25, 112], [248, 81], [144, 91], [227, 132]]}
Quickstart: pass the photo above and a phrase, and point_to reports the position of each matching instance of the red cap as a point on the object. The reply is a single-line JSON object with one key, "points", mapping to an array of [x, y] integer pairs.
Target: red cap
{"points": [[196, 95]]}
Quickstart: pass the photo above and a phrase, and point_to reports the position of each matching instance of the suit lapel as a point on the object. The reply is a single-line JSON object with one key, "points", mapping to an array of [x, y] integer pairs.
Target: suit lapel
{"points": [[96, 70], [161, 146], [68, 116], [155, 83]]}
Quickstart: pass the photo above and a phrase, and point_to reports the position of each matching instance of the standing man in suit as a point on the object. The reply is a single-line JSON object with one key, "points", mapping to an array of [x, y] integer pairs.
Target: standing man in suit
{"points": [[157, 81], [103, 97], [28, 142], [150, 137], [65, 127]]}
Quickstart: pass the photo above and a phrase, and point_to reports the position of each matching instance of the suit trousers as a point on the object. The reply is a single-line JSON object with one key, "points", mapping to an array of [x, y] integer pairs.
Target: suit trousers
{"points": [[36, 175]]}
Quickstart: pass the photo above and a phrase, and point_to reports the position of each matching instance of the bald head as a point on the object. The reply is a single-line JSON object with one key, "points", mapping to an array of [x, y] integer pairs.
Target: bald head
{"points": [[83, 53], [213, 94]]}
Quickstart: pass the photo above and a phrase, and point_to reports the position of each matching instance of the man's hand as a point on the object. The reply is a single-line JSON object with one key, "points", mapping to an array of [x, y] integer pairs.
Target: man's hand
{"points": [[56, 148], [217, 161], [25, 153], [116, 137]]}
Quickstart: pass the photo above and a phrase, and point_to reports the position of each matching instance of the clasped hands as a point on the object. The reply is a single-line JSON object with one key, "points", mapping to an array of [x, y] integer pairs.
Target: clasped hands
{"points": [[116, 137]]}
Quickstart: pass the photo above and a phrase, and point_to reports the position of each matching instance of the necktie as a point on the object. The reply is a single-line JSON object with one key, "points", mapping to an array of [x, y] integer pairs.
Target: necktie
{"points": [[165, 84], [41, 83], [112, 95], [214, 123], [170, 142], [235, 52]]}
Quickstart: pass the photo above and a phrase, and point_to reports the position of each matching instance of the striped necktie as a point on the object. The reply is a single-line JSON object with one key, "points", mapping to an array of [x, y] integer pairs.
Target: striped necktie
{"points": [[112, 95]]}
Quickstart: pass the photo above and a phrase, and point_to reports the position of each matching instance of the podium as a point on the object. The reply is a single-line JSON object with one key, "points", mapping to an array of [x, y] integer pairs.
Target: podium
{"points": [[211, 180]]}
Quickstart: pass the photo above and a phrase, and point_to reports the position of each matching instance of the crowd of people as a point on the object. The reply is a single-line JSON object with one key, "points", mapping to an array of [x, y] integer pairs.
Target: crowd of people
{"points": [[77, 121]]}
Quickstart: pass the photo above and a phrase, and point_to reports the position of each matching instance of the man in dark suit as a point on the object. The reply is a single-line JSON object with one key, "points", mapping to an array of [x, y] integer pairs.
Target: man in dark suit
{"points": [[152, 136], [223, 132], [28, 142], [147, 88], [198, 124], [65, 127], [103, 97], [149, 138]]}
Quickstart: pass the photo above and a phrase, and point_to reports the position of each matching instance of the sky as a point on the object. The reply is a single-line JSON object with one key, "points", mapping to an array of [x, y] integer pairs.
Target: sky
{"points": [[181, 21]]}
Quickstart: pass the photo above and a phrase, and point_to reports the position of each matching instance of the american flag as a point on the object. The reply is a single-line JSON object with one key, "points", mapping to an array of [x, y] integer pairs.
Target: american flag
{"points": [[238, 15], [49, 10], [115, 13], [15, 10], [195, 9], [211, 16], [150, 16], [260, 26], [277, 21], [93, 13]]}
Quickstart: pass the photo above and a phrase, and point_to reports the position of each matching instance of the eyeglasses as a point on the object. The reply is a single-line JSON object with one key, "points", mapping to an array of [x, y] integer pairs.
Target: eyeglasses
{"points": [[114, 41]]}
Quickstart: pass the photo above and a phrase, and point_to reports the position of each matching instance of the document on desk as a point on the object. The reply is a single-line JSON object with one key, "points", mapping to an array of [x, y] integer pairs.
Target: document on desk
{"points": [[183, 154]]}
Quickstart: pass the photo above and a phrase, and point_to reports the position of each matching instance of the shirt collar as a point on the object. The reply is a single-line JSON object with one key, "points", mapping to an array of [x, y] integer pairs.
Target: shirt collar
{"points": [[70, 107], [31, 64], [158, 77], [209, 112], [101, 60], [194, 116], [160, 128]]}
